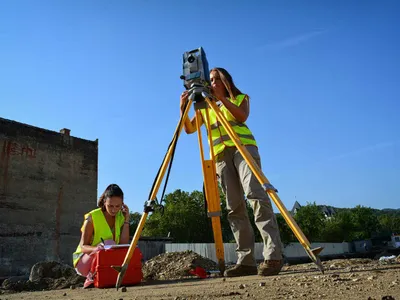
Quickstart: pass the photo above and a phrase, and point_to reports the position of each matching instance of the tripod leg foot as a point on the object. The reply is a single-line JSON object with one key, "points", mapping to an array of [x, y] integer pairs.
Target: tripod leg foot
{"points": [[313, 254], [221, 266], [121, 275]]}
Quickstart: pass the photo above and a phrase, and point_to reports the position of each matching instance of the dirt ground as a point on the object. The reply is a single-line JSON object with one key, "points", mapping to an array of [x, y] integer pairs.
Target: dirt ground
{"points": [[343, 279]]}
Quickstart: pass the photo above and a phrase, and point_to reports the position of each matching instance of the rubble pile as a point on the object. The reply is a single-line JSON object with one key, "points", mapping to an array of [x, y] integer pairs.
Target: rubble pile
{"points": [[175, 265], [391, 259], [48, 275]]}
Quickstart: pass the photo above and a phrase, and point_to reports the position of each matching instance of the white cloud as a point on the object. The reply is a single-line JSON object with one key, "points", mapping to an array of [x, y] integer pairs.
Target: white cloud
{"points": [[367, 149], [292, 41]]}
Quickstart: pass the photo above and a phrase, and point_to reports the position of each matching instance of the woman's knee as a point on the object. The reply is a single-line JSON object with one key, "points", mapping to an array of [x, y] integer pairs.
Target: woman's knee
{"points": [[84, 264]]}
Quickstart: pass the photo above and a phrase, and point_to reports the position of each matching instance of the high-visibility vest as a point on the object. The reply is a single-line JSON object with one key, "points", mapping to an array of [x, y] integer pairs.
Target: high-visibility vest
{"points": [[101, 230], [220, 137]]}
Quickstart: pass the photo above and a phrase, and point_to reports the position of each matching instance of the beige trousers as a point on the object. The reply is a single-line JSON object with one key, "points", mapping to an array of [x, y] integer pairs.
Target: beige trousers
{"points": [[237, 180]]}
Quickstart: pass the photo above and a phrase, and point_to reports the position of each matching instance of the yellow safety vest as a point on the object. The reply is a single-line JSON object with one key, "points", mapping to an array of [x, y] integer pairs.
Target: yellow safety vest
{"points": [[220, 137], [101, 230]]}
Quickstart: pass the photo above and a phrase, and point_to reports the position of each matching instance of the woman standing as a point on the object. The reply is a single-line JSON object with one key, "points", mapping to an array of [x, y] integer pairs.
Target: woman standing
{"points": [[237, 179]]}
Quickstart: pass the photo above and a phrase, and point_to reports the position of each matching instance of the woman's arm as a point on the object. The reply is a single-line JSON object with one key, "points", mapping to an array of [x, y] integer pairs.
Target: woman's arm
{"points": [[124, 238], [240, 113], [87, 236], [189, 125]]}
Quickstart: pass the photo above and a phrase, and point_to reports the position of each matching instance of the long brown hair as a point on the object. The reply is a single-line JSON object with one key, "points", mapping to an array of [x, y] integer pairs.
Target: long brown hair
{"points": [[231, 89], [111, 191]]}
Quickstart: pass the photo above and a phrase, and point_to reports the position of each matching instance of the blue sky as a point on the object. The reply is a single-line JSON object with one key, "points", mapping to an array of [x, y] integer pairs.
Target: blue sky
{"points": [[323, 77]]}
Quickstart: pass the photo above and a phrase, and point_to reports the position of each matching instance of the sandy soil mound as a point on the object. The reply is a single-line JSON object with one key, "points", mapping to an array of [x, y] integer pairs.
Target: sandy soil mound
{"points": [[175, 265]]}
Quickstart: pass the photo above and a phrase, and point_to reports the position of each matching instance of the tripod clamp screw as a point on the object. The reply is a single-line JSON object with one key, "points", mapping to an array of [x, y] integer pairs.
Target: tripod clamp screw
{"points": [[152, 205], [268, 187], [149, 206]]}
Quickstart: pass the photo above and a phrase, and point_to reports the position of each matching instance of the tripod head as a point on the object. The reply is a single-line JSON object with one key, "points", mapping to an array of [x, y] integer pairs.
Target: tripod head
{"points": [[196, 74]]}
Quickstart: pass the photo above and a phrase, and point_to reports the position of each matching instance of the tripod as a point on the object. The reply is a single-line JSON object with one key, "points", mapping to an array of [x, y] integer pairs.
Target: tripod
{"points": [[211, 185]]}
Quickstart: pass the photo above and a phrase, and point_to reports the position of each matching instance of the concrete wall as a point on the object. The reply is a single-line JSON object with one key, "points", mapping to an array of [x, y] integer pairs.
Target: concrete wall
{"points": [[296, 250], [151, 247], [362, 246], [48, 180], [292, 250]]}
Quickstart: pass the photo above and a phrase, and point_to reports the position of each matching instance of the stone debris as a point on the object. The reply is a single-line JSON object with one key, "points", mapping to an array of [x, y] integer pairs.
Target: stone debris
{"points": [[51, 269], [388, 298], [48, 275], [386, 260], [231, 294], [175, 265]]}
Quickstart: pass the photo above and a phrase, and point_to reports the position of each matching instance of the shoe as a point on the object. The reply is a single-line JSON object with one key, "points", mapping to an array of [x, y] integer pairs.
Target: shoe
{"points": [[89, 281], [270, 267], [241, 270]]}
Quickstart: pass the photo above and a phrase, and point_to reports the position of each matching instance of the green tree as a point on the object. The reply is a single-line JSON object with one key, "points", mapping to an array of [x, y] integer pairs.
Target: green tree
{"points": [[286, 233], [185, 219], [389, 223], [311, 221], [338, 228], [365, 222], [134, 220]]}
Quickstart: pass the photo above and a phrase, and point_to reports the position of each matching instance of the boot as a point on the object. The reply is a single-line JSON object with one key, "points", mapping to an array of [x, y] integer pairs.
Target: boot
{"points": [[241, 270], [270, 267]]}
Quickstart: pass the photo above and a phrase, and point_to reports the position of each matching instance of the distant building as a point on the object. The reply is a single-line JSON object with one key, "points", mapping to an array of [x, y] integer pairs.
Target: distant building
{"points": [[328, 211], [295, 208], [48, 180]]}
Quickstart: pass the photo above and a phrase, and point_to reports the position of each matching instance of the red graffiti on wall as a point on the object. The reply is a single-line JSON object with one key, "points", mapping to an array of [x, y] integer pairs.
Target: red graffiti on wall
{"points": [[16, 149], [12, 149]]}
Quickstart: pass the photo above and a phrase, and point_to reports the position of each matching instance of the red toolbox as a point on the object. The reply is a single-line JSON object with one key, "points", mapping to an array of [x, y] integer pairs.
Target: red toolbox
{"points": [[105, 276]]}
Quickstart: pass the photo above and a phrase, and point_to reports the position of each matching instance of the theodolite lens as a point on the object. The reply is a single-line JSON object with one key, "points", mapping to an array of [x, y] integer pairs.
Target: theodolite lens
{"points": [[191, 59]]}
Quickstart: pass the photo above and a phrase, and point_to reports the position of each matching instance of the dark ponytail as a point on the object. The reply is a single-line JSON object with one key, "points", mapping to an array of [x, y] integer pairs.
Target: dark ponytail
{"points": [[111, 191]]}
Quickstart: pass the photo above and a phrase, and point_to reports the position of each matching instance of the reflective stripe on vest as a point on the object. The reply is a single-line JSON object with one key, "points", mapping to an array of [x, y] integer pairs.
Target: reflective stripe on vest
{"points": [[226, 138], [101, 230], [219, 135]]}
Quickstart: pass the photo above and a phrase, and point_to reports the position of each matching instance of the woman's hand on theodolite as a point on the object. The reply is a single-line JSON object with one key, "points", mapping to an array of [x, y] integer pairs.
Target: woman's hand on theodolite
{"points": [[184, 98]]}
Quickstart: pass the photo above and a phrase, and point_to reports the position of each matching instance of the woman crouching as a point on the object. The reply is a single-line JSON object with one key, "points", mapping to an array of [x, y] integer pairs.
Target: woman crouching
{"points": [[106, 225]]}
